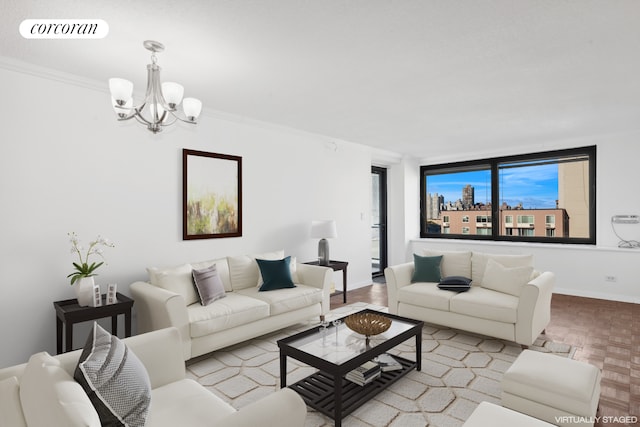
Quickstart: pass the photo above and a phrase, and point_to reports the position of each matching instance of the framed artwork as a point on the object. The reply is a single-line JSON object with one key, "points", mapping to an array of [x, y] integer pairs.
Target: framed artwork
{"points": [[212, 195]]}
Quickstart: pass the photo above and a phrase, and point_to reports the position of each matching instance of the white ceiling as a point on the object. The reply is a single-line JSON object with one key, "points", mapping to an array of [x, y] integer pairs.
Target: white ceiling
{"points": [[419, 77]]}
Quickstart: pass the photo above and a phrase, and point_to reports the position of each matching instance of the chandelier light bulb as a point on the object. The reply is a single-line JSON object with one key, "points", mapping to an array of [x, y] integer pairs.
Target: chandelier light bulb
{"points": [[192, 108], [160, 116], [121, 90], [173, 93]]}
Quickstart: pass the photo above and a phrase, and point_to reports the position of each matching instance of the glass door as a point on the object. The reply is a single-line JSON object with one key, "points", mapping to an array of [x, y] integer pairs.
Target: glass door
{"points": [[378, 220]]}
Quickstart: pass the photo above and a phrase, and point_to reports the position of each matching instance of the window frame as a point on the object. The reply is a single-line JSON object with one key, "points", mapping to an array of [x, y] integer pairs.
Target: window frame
{"points": [[493, 164]]}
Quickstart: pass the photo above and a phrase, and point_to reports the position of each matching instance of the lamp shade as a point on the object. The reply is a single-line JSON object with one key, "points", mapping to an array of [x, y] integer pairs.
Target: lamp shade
{"points": [[172, 93], [121, 89], [325, 229], [192, 108]]}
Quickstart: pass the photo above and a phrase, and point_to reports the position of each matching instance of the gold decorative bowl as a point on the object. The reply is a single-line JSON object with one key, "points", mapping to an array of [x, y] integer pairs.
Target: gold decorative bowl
{"points": [[368, 324]]}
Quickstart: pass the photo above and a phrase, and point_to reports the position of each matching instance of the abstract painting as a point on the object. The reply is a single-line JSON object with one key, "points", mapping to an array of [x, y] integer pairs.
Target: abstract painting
{"points": [[212, 195]]}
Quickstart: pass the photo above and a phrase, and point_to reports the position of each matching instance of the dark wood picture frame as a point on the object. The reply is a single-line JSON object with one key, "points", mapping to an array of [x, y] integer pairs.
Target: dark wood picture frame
{"points": [[211, 195]]}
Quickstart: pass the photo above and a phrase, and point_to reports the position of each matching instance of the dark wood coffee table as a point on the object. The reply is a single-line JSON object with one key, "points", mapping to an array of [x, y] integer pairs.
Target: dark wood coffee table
{"points": [[327, 390]]}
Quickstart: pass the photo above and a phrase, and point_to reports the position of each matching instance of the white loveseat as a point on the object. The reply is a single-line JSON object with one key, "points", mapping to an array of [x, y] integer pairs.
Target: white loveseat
{"points": [[59, 401], [495, 305], [244, 313]]}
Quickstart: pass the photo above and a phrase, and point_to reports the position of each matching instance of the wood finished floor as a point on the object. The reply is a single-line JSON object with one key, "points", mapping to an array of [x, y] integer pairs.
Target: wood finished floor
{"points": [[606, 334]]}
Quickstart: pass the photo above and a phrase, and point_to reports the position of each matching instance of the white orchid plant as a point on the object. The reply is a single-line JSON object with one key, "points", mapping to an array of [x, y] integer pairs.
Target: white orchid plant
{"points": [[83, 268]]}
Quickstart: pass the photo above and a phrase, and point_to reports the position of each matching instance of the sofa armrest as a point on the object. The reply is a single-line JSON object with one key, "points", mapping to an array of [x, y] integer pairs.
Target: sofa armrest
{"points": [[318, 277], [284, 408], [159, 351], [534, 308], [157, 308], [161, 354], [396, 277]]}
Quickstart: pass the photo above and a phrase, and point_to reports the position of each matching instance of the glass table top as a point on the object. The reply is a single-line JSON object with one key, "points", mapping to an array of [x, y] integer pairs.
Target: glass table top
{"points": [[338, 344]]}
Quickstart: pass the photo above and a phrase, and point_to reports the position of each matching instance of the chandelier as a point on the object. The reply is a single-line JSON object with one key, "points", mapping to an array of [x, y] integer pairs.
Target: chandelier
{"points": [[159, 107]]}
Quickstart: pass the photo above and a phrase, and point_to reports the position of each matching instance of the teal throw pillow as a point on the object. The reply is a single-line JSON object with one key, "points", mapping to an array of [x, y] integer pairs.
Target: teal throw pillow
{"points": [[276, 274], [427, 269]]}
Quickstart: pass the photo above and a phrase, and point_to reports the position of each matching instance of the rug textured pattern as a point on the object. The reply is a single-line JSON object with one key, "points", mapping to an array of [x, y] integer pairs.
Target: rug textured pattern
{"points": [[459, 370]]}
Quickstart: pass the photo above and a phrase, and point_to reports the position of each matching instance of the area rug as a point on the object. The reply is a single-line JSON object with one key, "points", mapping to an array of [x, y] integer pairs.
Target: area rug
{"points": [[459, 370]]}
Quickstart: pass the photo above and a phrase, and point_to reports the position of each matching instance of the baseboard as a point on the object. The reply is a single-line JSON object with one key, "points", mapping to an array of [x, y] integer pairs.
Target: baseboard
{"points": [[597, 295]]}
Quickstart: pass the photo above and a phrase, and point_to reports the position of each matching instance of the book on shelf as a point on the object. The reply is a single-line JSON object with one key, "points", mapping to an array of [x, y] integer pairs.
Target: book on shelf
{"points": [[364, 373], [387, 363]]}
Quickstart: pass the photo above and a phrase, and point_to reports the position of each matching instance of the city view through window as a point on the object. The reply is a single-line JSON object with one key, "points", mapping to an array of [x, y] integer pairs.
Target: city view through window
{"points": [[545, 198]]}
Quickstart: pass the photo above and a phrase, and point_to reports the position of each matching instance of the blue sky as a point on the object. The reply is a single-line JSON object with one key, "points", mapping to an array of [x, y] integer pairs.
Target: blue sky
{"points": [[535, 186]]}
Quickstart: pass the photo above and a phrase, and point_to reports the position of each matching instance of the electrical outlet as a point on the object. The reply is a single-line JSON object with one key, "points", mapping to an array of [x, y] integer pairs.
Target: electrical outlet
{"points": [[610, 279]]}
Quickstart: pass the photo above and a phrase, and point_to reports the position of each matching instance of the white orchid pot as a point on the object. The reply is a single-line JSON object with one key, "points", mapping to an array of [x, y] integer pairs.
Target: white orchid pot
{"points": [[84, 291]]}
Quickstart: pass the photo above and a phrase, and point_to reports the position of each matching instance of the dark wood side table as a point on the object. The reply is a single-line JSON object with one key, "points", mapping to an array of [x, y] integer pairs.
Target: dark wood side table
{"points": [[69, 313], [337, 266]]}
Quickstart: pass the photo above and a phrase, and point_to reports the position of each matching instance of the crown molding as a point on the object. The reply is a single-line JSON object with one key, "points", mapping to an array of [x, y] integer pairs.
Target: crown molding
{"points": [[17, 66]]}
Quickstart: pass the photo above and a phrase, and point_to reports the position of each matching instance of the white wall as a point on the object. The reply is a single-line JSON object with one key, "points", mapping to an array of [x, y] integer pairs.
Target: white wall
{"points": [[580, 269], [66, 165]]}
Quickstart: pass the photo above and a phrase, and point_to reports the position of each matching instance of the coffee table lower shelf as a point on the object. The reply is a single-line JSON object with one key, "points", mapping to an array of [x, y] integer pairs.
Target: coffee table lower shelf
{"points": [[317, 389]]}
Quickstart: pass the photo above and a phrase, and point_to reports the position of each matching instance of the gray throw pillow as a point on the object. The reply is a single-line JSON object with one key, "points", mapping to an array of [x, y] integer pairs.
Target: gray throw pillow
{"points": [[208, 284], [115, 380]]}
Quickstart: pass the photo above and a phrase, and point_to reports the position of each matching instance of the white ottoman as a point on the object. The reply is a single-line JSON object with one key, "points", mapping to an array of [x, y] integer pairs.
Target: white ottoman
{"points": [[558, 390], [488, 414]]}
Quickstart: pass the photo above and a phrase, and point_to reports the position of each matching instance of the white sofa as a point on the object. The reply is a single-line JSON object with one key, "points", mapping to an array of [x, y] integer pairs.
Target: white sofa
{"points": [[175, 400], [495, 305], [244, 313]]}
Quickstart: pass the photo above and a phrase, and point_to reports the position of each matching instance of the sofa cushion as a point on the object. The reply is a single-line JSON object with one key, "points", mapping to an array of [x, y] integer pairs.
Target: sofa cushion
{"points": [[10, 406], [208, 284], [231, 311], [175, 279], [223, 270], [425, 295], [276, 274], [479, 263], [288, 299], [50, 396], [243, 269], [505, 279], [454, 263], [186, 403], [115, 380], [485, 304], [426, 268]]}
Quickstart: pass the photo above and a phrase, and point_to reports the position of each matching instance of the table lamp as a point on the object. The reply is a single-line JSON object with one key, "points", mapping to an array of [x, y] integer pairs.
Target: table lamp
{"points": [[325, 229]]}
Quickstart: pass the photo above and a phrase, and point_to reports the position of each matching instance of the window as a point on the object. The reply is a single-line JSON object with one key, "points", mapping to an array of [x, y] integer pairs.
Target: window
{"points": [[540, 197], [525, 219]]}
